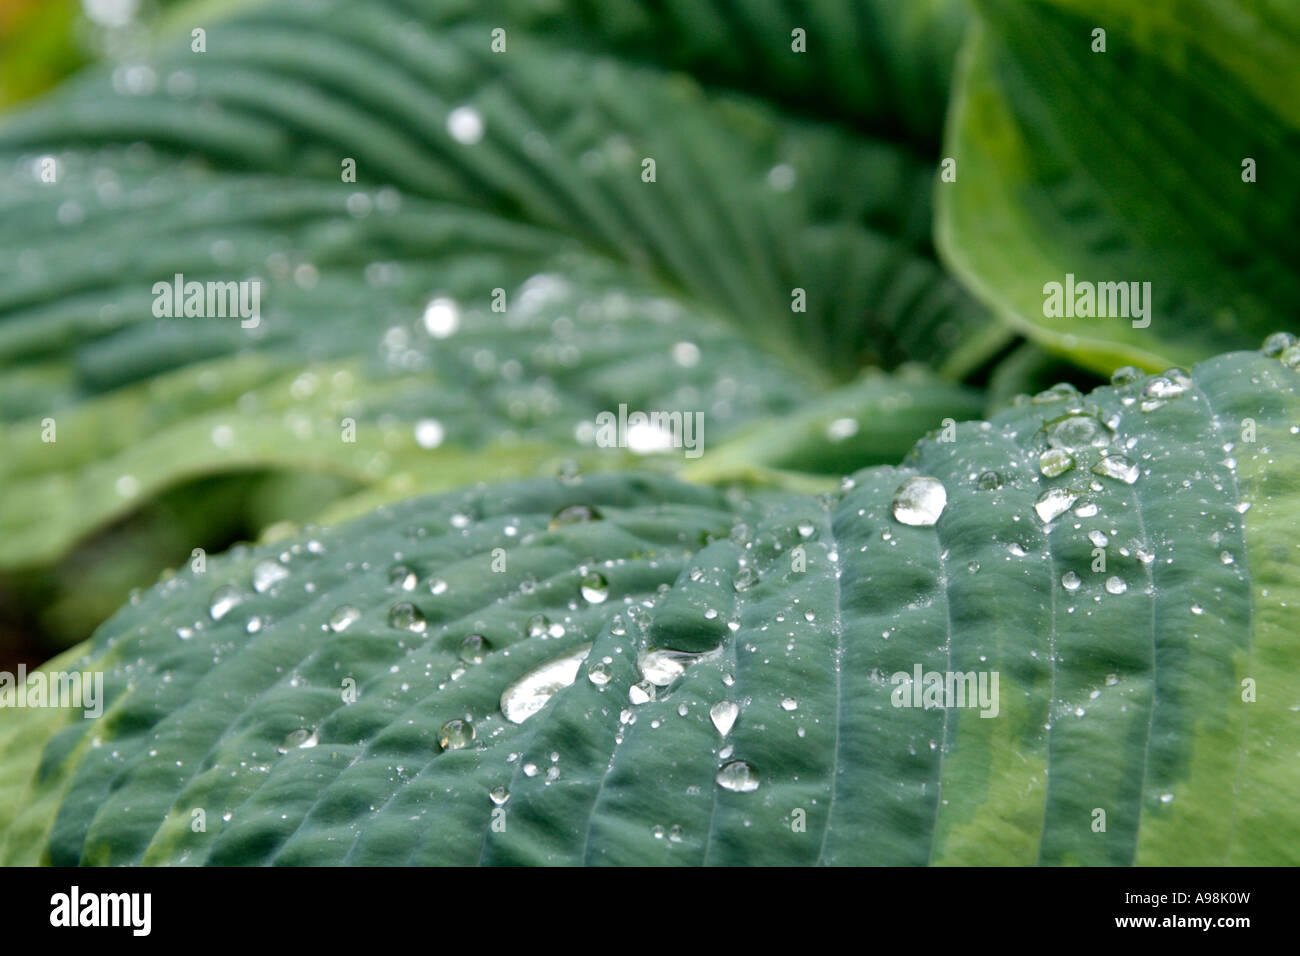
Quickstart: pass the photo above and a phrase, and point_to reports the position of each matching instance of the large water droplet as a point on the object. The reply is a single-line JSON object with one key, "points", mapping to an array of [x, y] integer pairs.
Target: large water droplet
{"points": [[455, 734], [595, 589], [1117, 467], [530, 693], [724, 714], [738, 776], [573, 514], [599, 673], [406, 617], [1076, 432], [920, 501], [1115, 585], [1277, 343], [298, 740], [266, 574], [1070, 581], [1053, 503], [661, 666], [343, 617], [1054, 462], [223, 601]]}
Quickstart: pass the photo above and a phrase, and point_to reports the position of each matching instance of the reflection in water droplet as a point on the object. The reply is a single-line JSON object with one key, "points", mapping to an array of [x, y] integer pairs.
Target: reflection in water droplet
{"points": [[738, 776], [920, 501], [530, 693], [723, 714], [406, 617], [455, 734], [595, 589]]}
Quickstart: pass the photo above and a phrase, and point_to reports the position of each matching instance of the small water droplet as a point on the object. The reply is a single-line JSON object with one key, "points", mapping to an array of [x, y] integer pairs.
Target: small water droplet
{"points": [[1117, 467], [1115, 585], [498, 795], [473, 648], [455, 734], [599, 673], [1197, 609], [1054, 462], [298, 740], [223, 601], [1126, 375], [1070, 581], [789, 704], [400, 576], [988, 481]]}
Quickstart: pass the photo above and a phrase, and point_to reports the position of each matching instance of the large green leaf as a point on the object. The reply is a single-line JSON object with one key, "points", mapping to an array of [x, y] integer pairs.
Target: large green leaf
{"points": [[671, 294], [1160, 690], [1127, 166]]}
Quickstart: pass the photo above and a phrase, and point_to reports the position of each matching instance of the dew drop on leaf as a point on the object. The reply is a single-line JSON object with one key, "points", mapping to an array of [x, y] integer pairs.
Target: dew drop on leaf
{"points": [[738, 776], [405, 616], [920, 501], [573, 514], [723, 714], [456, 734]]}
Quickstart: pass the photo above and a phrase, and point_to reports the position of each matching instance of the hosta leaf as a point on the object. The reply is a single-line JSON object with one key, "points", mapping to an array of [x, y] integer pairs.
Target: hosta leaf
{"points": [[1159, 690], [476, 172], [1128, 166]]}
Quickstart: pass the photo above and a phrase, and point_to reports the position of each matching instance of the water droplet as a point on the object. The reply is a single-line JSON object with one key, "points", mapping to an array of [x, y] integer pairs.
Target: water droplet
{"points": [[473, 647], [530, 693], [437, 586], [1277, 343], [223, 601], [406, 617], [1126, 375], [1053, 503], [988, 481], [1162, 387], [429, 433], [1115, 585], [1070, 581], [641, 692], [661, 666], [1076, 432], [498, 795], [573, 514], [806, 529], [465, 125], [343, 617], [1197, 609], [400, 576], [455, 734], [1117, 467], [738, 776], [920, 501], [744, 579], [299, 740], [1055, 461], [538, 625], [789, 704], [266, 574], [1098, 539], [675, 834], [441, 317], [1290, 357], [723, 714], [599, 674], [595, 589], [1226, 557]]}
